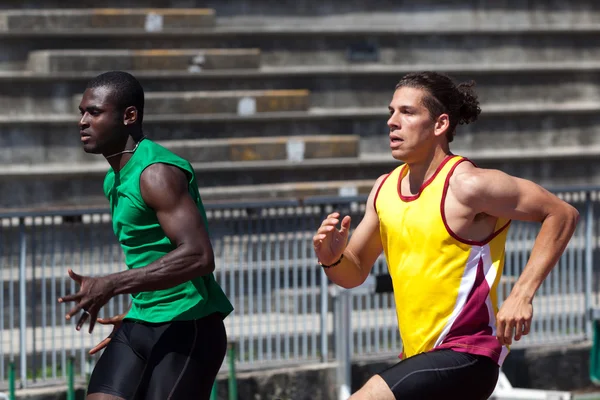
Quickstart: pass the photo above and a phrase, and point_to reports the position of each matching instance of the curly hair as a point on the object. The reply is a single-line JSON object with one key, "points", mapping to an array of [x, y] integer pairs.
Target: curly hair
{"points": [[444, 97]]}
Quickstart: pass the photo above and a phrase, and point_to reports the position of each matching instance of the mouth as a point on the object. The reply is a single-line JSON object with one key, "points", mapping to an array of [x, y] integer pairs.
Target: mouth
{"points": [[84, 136], [395, 141]]}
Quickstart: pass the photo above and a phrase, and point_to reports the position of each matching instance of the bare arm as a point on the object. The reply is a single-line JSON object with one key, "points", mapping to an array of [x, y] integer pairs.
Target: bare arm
{"points": [[498, 194], [360, 253], [495, 193], [164, 188]]}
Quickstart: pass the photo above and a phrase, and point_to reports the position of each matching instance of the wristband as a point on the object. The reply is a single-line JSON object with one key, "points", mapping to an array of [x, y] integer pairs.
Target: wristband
{"points": [[332, 265]]}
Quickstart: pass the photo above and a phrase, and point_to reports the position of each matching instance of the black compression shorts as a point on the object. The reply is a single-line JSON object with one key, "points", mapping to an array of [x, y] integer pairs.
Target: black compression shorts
{"points": [[177, 360], [443, 374]]}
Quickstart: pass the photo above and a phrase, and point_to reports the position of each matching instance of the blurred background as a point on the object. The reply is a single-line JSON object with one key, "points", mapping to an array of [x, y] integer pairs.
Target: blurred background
{"points": [[281, 106]]}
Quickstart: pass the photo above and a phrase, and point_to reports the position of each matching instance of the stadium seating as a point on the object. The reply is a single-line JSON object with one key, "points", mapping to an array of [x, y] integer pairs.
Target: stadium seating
{"points": [[235, 71]]}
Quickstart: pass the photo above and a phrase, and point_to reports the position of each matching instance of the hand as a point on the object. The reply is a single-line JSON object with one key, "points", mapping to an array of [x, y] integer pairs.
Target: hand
{"points": [[513, 319], [329, 242], [116, 321], [94, 292]]}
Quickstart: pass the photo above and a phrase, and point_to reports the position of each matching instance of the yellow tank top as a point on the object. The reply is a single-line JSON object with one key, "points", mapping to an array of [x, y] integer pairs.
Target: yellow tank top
{"points": [[444, 286]]}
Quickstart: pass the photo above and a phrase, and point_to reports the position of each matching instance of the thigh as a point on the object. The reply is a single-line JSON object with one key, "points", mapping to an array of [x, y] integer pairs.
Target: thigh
{"points": [[119, 370], [187, 360], [443, 374]]}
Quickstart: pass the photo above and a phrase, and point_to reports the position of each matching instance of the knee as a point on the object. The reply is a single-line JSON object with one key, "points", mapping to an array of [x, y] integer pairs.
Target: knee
{"points": [[375, 389]]}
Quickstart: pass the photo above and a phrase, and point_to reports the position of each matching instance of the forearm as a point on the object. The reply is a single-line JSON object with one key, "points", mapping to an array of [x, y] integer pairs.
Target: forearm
{"points": [[348, 273], [549, 245], [173, 269]]}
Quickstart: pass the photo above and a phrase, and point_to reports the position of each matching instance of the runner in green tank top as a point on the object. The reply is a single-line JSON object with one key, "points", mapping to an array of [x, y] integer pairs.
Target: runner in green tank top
{"points": [[172, 341]]}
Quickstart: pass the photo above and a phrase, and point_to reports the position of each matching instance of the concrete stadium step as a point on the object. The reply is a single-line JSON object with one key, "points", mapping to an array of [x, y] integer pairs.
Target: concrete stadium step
{"points": [[440, 17], [212, 150], [54, 185], [193, 60], [266, 148], [35, 138], [61, 184], [327, 86], [145, 19], [92, 197], [324, 8], [332, 45], [223, 102]]}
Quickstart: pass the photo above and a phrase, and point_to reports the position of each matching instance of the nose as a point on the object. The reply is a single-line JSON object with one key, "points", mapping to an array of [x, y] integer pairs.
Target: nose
{"points": [[83, 121], [392, 123]]}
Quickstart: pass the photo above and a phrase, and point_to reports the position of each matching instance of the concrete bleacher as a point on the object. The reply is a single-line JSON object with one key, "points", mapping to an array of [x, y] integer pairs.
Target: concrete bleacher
{"points": [[43, 20], [221, 72], [193, 60]]}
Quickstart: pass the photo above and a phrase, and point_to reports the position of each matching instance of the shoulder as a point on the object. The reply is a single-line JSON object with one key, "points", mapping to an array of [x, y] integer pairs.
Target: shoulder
{"points": [[161, 182], [468, 182], [161, 175]]}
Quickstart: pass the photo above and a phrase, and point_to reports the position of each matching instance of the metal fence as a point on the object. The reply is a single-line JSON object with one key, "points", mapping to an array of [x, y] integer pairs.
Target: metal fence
{"points": [[284, 311]]}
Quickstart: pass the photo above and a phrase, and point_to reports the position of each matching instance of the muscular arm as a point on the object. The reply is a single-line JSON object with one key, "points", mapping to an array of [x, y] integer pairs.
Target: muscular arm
{"points": [[164, 188], [495, 193], [363, 249]]}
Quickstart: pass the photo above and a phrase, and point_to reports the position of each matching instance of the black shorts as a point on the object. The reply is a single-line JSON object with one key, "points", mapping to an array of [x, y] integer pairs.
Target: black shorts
{"points": [[443, 374], [177, 360]]}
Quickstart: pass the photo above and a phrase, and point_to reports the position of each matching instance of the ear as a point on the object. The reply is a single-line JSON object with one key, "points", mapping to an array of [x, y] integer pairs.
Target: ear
{"points": [[130, 116], [442, 124]]}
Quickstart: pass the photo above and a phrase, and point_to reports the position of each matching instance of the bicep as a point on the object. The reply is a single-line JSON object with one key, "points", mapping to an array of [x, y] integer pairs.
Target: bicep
{"points": [[505, 196], [165, 189]]}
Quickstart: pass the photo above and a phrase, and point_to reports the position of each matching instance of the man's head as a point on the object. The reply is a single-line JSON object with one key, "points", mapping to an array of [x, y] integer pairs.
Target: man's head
{"points": [[112, 109], [425, 111]]}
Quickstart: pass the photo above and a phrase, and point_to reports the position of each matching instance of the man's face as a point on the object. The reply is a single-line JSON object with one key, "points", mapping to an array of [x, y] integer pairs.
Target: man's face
{"points": [[100, 121], [412, 129]]}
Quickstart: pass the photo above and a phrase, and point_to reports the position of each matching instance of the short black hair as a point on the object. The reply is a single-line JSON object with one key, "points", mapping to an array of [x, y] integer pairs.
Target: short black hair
{"points": [[444, 96], [127, 90]]}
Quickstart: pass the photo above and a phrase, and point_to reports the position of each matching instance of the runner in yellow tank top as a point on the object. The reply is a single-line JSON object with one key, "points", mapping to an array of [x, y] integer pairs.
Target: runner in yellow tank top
{"points": [[442, 223]]}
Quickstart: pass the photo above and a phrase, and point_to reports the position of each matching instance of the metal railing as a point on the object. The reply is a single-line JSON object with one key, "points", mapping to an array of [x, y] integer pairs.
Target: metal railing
{"points": [[284, 311]]}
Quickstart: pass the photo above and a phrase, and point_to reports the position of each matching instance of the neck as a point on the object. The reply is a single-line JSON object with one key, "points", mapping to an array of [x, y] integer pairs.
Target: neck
{"points": [[421, 171], [118, 159]]}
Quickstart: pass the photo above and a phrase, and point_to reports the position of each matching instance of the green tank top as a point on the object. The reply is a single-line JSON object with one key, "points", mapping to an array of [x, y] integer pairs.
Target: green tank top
{"points": [[143, 241]]}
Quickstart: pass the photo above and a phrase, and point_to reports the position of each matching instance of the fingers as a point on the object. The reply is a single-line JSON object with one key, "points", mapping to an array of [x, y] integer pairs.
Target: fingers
{"points": [[82, 319], [76, 309], [522, 329], [519, 329], [77, 278], [93, 318], [328, 225], [500, 325], [71, 297], [112, 320], [527, 327], [509, 329], [73, 311], [100, 346], [345, 225]]}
